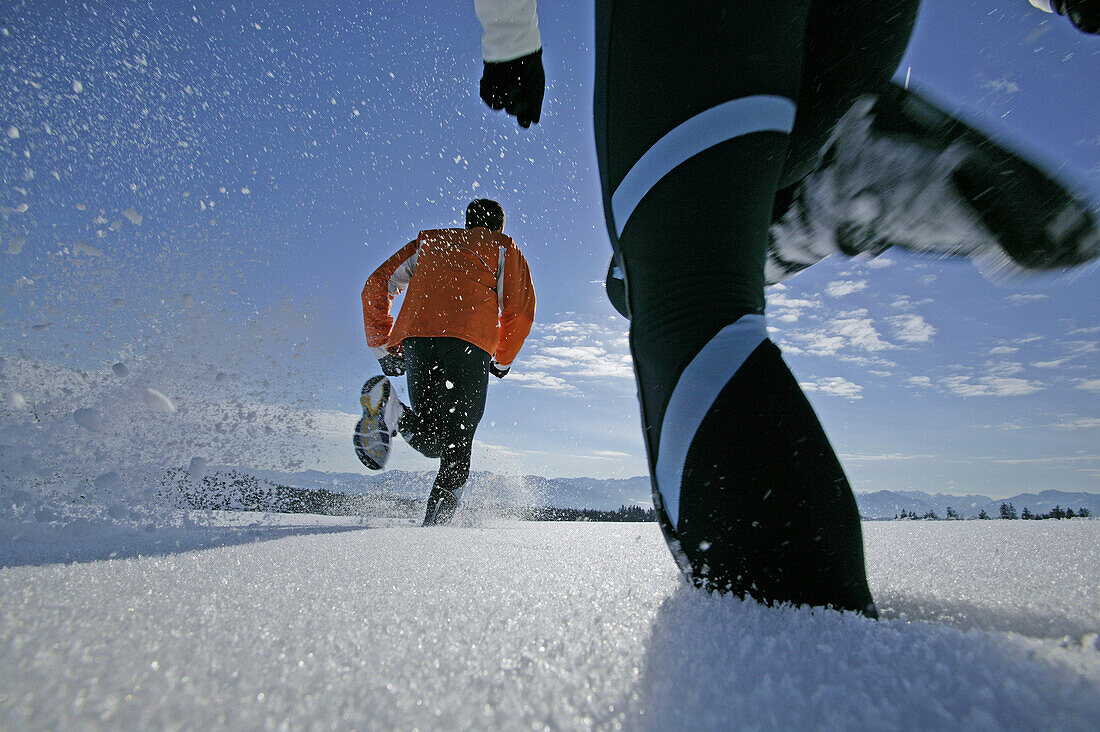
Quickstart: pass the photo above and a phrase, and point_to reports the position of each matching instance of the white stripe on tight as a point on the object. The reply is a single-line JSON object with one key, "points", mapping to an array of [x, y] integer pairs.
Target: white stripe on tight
{"points": [[728, 120], [694, 394]]}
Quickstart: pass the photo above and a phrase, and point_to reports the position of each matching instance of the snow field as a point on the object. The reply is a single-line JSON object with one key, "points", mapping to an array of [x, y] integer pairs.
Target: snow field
{"points": [[548, 625], [1042, 580]]}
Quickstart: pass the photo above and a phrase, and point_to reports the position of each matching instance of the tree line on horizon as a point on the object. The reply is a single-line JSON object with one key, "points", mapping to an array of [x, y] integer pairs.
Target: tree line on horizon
{"points": [[1007, 512]]}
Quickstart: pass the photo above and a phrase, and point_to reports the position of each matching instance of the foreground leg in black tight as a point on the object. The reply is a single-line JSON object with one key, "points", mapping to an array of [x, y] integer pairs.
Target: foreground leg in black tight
{"points": [[695, 106], [447, 380]]}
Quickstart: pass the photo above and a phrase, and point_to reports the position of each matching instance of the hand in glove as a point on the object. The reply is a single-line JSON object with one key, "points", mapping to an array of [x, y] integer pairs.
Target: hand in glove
{"points": [[516, 86], [497, 370], [392, 364]]}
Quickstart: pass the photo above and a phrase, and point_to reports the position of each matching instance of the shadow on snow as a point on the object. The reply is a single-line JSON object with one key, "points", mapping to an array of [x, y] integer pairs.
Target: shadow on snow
{"points": [[61, 547], [716, 661]]}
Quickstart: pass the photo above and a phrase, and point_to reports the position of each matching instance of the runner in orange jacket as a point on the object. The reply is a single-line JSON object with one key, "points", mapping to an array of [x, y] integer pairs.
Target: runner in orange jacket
{"points": [[469, 305]]}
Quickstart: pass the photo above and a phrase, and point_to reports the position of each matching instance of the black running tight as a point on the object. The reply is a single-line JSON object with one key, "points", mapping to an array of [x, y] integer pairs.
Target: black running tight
{"points": [[694, 241], [447, 379], [704, 112]]}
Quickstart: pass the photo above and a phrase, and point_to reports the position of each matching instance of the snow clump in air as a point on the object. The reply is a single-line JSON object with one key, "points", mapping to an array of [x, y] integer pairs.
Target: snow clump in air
{"points": [[196, 468], [15, 401], [157, 402], [89, 418], [108, 481], [83, 247]]}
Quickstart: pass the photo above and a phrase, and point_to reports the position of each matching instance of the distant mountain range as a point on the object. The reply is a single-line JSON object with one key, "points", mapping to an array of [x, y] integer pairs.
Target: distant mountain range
{"points": [[526, 490], [610, 494]]}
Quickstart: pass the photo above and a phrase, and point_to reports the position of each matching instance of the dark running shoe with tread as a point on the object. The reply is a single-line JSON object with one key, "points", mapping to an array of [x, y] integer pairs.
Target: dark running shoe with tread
{"points": [[374, 432], [442, 504]]}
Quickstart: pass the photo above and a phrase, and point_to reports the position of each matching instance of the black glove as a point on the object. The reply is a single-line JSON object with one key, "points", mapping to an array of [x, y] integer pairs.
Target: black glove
{"points": [[392, 365], [516, 86], [497, 370], [1085, 14]]}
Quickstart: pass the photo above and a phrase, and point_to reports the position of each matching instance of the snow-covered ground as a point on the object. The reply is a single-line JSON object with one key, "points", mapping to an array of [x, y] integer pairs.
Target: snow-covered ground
{"points": [[309, 622]]}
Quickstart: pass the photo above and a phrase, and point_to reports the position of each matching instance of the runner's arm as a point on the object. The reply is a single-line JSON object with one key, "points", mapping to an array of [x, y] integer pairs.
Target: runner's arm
{"points": [[510, 29], [513, 78], [381, 287]]}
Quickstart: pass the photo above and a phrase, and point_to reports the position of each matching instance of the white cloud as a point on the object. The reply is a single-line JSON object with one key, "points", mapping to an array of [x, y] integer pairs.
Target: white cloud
{"points": [[847, 337], [784, 316], [818, 344], [1022, 299], [848, 457], [1003, 368], [1002, 85], [1002, 350], [1050, 364], [1080, 348], [834, 386], [563, 352], [1045, 460], [904, 302], [608, 455], [581, 361], [842, 288], [1089, 385], [912, 328], [542, 380], [579, 353], [919, 381], [785, 309], [542, 363], [569, 327], [859, 331], [1001, 386], [782, 300], [1080, 423]]}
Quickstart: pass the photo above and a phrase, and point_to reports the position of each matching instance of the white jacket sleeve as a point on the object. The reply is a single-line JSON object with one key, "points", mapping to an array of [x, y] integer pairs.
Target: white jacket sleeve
{"points": [[511, 28]]}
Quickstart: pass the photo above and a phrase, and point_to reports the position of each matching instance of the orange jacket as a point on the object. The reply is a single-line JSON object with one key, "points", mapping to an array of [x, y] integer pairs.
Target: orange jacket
{"points": [[472, 284]]}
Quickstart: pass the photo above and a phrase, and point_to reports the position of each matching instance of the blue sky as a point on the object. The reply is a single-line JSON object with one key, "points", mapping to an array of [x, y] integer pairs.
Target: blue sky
{"points": [[206, 186]]}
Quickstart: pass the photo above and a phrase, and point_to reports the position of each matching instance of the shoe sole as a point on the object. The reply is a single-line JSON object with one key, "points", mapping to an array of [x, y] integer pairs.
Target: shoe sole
{"points": [[372, 436]]}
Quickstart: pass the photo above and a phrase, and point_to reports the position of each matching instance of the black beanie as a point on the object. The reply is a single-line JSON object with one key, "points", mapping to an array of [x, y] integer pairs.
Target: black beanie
{"points": [[483, 212]]}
